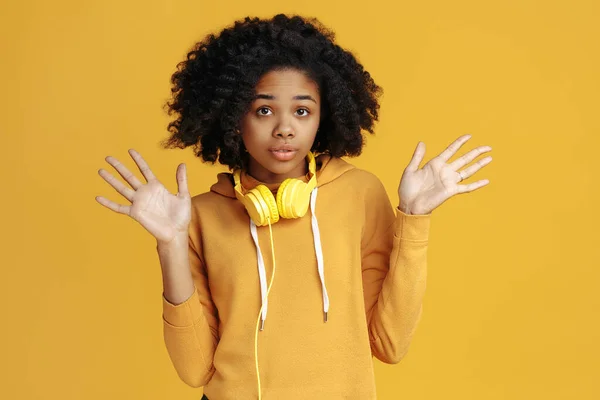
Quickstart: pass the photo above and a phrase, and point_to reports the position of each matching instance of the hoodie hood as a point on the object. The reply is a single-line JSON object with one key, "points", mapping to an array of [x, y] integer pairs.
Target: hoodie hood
{"points": [[328, 169]]}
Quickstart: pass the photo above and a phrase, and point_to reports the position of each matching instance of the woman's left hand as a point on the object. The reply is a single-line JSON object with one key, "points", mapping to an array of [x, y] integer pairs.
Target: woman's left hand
{"points": [[423, 190]]}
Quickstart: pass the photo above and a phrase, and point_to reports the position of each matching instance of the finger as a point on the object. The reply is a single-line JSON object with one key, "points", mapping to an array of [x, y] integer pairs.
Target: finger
{"points": [[117, 184], [182, 186], [470, 156], [142, 165], [119, 208], [417, 157], [124, 172], [467, 172], [453, 148], [472, 186]]}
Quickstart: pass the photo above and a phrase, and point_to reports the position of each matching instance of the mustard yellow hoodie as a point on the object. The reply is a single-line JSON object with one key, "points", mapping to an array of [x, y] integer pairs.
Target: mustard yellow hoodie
{"points": [[374, 274]]}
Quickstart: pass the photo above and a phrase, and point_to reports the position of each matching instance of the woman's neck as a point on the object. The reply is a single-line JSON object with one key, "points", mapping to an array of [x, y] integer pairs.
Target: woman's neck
{"points": [[261, 174]]}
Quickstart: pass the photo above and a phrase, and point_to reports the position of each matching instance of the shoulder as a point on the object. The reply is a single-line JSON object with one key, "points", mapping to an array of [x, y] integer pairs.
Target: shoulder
{"points": [[219, 192], [208, 199], [212, 201], [361, 179], [364, 177], [359, 188]]}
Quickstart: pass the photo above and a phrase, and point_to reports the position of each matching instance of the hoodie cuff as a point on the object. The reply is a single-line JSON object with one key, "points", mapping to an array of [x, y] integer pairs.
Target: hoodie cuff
{"points": [[184, 314], [413, 227]]}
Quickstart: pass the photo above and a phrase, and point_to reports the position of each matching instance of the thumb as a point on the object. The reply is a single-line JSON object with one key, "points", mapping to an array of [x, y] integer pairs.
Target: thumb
{"points": [[417, 157], [182, 185]]}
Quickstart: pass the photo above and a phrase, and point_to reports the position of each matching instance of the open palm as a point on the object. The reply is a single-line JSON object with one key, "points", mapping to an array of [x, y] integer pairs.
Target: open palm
{"points": [[161, 213], [423, 190]]}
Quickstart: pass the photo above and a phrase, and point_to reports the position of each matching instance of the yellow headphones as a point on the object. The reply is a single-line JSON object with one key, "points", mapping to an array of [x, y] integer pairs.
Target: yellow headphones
{"points": [[293, 197]]}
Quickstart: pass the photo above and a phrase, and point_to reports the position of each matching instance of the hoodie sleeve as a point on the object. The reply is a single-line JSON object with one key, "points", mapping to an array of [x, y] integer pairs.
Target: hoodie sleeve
{"points": [[191, 328], [394, 271]]}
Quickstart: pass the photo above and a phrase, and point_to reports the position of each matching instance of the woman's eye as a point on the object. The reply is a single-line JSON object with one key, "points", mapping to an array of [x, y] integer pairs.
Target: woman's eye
{"points": [[266, 111]]}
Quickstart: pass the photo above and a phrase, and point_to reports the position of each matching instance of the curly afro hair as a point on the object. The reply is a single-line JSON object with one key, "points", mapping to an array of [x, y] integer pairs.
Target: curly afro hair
{"points": [[214, 87]]}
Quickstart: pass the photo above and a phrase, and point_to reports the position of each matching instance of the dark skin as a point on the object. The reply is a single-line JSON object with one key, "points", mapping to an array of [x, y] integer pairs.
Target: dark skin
{"points": [[285, 112]]}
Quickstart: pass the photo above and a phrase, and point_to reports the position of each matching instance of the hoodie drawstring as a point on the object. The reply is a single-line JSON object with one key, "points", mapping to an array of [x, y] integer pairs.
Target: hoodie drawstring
{"points": [[261, 271], [319, 252], [261, 263], [264, 298]]}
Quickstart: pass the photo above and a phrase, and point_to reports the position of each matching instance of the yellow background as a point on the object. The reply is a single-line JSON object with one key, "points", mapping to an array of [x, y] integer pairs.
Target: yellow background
{"points": [[512, 308]]}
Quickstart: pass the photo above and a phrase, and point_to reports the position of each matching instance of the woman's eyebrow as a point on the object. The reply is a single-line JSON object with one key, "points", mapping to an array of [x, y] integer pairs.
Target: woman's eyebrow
{"points": [[298, 97]]}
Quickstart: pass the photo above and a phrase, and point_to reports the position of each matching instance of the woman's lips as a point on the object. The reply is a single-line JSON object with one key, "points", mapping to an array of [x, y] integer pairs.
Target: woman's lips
{"points": [[283, 154]]}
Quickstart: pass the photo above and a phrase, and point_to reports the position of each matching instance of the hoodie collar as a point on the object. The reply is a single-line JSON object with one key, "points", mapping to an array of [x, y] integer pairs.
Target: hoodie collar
{"points": [[328, 169]]}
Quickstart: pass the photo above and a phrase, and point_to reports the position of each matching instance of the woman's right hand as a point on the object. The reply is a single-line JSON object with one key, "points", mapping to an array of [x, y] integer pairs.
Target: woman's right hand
{"points": [[166, 216]]}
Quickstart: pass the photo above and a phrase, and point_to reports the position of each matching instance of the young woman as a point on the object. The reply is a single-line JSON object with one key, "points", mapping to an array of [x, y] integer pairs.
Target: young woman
{"points": [[294, 270]]}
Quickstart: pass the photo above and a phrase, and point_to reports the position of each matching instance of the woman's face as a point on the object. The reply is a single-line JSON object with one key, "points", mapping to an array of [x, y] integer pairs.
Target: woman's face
{"points": [[280, 128]]}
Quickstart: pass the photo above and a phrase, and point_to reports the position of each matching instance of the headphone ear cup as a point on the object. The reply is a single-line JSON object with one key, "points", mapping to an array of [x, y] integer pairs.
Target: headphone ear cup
{"points": [[282, 205], [291, 197], [265, 205], [301, 199], [294, 202], [254, 208]]}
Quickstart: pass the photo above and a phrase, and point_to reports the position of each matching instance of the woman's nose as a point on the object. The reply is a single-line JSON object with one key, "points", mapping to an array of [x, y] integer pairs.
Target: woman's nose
{"points": [[284, 133]]}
